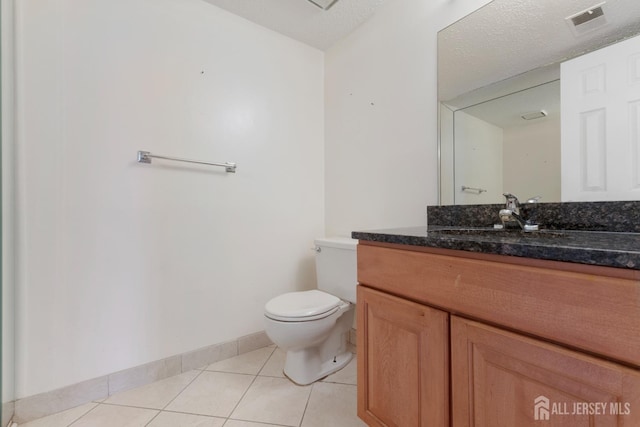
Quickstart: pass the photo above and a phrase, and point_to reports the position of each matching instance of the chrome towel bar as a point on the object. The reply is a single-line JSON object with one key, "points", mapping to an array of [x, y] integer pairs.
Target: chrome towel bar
{"points": [[474, 189], [145, 157]]}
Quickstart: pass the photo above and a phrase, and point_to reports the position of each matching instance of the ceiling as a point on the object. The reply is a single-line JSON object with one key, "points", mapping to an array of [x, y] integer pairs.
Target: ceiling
{"points": [[302, 20], [506, 111]]}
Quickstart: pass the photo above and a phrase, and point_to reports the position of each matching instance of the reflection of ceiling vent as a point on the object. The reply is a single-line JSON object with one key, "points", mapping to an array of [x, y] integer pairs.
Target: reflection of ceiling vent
{"points": [[587, 20], [534, 115], [587, 16], [323, 4]]}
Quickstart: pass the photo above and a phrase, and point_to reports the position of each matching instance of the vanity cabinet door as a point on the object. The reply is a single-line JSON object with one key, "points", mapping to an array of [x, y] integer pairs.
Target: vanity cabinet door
{"points": [[505, 379], [403, 361]]}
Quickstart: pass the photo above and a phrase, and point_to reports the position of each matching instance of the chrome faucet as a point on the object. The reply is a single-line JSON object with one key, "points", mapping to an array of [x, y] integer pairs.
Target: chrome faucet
{"points": [[511, 213]]}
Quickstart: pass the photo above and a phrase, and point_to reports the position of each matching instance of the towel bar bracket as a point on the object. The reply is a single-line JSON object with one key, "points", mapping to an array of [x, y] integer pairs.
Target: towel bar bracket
{"points": [[143, 157]]}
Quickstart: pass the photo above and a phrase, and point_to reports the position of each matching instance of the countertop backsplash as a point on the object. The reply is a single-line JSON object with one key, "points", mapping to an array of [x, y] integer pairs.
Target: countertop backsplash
{"points": [[623, 216]]}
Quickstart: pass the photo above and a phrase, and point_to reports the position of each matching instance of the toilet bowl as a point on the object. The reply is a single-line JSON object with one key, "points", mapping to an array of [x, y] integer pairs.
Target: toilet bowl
{"points": [[313, 326]]}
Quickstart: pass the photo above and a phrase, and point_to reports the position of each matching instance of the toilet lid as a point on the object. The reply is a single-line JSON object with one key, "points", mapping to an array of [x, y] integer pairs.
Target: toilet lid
{"points": [[296, 305]]}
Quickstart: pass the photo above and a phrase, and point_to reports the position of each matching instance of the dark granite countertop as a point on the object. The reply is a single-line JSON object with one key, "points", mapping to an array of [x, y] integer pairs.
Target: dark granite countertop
{"points": [[595, 233], [612, 249]]}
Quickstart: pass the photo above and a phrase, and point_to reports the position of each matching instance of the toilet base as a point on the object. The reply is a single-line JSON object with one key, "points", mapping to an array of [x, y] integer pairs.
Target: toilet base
{"points": [[307, 376], [308, 364]]}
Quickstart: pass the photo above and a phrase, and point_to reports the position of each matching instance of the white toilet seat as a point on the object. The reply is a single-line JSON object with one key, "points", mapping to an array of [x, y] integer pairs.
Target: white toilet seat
{"points": [[302, 306]]}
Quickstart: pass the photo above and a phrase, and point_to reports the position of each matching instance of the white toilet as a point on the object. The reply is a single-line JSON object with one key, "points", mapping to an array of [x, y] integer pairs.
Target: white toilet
{"points": [[313, 326]]}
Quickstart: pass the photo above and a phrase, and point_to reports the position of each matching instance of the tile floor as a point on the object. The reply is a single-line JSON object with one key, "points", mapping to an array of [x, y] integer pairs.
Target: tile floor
{"points": [[249, 390]]}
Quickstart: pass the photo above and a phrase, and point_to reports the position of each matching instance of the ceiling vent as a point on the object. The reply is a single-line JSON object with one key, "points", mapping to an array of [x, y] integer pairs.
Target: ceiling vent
{"points": [[534, 115], [323, 4], [587, 20]]}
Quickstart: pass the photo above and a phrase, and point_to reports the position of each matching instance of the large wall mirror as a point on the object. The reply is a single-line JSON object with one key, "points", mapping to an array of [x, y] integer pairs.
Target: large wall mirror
{"points": [[499, 92]]}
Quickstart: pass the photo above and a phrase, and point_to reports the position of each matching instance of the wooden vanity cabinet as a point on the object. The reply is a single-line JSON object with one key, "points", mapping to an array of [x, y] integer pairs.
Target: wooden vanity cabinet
{"points": [[497, 376], [447, 338], [403, 372]]}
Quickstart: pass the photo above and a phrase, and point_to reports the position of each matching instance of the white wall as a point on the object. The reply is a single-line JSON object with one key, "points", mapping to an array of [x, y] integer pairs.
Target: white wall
{"points": [[381, 117], [533, 150], [447, 157], [478, 164], [123, 263], [8, 214]]}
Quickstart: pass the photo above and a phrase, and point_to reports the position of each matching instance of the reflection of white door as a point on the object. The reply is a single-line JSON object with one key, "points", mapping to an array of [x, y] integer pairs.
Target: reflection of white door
{"points": [[601, 124]]}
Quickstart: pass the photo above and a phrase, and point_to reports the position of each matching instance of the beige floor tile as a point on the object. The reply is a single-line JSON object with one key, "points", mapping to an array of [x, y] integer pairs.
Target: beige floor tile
{"points": [[346, 375], [274, 401], [275, 364], [174, 419], [61, 419], [246, 363], [332, 405], [238, 423], [156, 395], [112, 415], [212, 393], [225, 389]]}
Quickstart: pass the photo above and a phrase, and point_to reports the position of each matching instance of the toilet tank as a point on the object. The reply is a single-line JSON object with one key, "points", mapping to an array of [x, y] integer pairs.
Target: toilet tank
{"points": [[336, 267]]}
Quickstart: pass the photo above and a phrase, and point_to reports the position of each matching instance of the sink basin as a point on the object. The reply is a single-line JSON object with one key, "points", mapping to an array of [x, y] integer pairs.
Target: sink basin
{"points": [[494, 232]]}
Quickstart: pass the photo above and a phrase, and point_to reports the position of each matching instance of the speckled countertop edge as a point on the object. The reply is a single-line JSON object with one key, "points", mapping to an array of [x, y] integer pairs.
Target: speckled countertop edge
{"points": [[611, 249]]}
